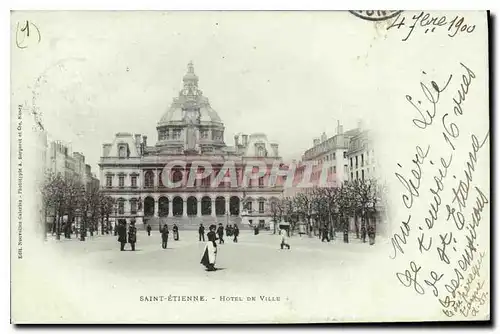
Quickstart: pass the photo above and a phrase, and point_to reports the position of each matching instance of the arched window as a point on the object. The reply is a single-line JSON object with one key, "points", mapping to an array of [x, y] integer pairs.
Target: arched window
{"points": [[220, 206], [149, 179], [192, 206], [206, 206], [163, 206], [133, 206], [121, 206]]}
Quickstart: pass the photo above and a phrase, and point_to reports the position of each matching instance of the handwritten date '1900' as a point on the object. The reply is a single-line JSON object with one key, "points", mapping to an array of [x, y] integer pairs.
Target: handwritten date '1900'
{"points": [[429, 23]]}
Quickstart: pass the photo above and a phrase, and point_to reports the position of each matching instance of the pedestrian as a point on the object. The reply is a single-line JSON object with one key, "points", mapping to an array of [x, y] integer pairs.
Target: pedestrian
{"points": [[284, 238], [228, 230], [220, 232], [164, 236], [175, 229], [236, 232], [122, 235], [210, 252], [132, 235], [201, 232], [371, 234], [256, 230], [325, 233], [148, 228]]}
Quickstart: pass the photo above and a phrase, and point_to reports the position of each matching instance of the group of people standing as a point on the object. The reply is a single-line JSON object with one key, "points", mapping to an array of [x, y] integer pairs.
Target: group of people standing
{"points": [[231, 230], [123, 234], [215, 233], [131, 235], [165, 232]]}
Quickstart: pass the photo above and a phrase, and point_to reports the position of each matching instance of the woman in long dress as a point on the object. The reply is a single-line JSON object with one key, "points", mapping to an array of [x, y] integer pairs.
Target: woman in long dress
{"points": [[284, 238], [175, 229], [210, 251]]}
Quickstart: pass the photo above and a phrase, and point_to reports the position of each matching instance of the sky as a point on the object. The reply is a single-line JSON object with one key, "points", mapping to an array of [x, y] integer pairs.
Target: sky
{"points": [[290, 75]]}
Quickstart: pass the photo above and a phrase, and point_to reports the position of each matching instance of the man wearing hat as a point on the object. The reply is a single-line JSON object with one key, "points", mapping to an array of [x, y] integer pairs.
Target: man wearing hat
{"points": [[132, 234], [201, 232], [220, 232], [122, 235]]}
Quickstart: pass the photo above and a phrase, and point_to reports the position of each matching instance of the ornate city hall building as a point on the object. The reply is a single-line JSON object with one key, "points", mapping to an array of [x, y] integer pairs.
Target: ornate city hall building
{"points": [[190, 132]]}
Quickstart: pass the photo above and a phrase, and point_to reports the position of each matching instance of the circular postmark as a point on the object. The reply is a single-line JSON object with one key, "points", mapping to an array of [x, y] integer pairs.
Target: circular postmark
{"points": [[375, 15]]}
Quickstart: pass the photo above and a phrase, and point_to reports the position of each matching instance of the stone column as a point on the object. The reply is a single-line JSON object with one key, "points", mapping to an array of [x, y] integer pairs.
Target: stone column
{"points": [[241, 207], [198, 207], [227, 205], [170, 207], [155, 178], [157, 207], [184, 207], [213, 207]]}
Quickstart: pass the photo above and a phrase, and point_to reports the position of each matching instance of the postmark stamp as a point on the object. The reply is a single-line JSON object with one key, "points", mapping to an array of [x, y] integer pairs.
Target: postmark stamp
{"points": [[375, 15]]}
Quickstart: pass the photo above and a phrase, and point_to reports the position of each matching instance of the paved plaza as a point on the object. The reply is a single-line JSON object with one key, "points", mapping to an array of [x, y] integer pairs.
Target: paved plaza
{"points": [[311, 278], [253, 254]]}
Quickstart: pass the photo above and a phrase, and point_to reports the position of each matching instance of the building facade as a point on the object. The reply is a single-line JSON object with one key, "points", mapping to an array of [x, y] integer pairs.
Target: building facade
{"points": [[70, 165], [361, 157], [333, 152], [198, 187]]}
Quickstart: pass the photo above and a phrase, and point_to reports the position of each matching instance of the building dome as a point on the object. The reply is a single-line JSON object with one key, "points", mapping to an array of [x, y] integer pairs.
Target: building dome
{"points": [[190, 98]]}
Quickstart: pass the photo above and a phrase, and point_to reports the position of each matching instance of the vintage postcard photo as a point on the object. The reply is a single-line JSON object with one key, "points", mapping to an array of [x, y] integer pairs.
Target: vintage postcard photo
{"points": [[233, 167]]}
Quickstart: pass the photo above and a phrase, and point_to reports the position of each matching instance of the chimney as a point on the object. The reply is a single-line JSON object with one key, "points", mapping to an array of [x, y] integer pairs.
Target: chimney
{"points": [[244, 140], [360, 124], [105, 149], [323, 137], [236, 142], [316, 141], [145, 140]]}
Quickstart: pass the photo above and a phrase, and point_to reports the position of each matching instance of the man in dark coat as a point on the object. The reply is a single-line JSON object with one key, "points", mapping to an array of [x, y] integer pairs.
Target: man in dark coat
{"points": [[325, 233], [164, 236], [236, 232], [122, 235], [220, 233], [132, 235], [148, 228], [201, 232]]}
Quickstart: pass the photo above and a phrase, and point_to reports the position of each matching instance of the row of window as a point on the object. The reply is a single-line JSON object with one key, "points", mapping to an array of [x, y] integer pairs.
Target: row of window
{"points": [[175, 134], [362, 159], [261, 206], [121, 181], [331, 157], [149, 180], [333, 169], [362, 174], [177, 177], [133, 206], [165, 134]]}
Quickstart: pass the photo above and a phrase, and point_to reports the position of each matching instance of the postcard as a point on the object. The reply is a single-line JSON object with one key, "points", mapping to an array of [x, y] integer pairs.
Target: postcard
{"points": [[242, 167]]}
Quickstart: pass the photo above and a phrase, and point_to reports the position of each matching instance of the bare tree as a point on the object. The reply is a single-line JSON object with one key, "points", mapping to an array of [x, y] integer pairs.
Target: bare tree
{"points": [[366, 194], [304, 204], [53, 192]]}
